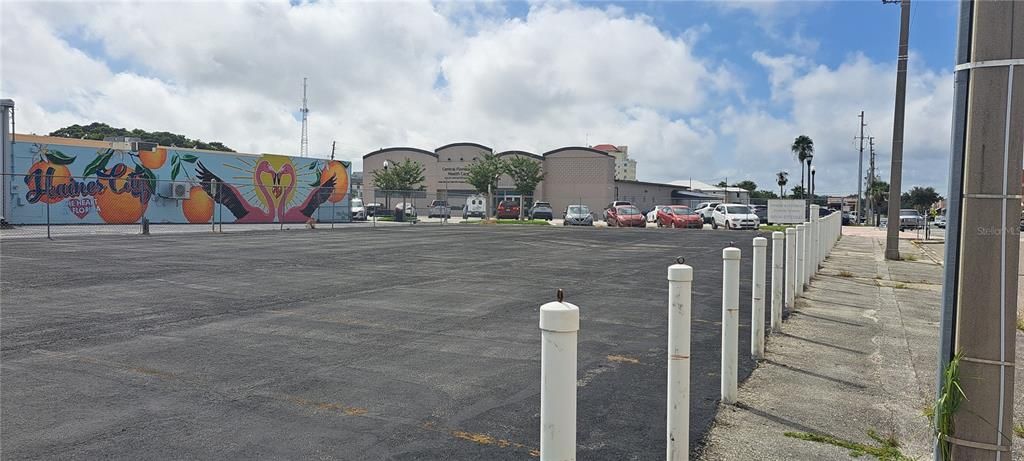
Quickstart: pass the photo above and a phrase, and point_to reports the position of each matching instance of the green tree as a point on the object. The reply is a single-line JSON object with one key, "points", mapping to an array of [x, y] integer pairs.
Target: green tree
{"points": [[782, 178], [722, 184], [525, 174], [484, 172], [747, 185], [803, 148], [797, 192], [98, 131], [763, 194], [920, 198]]}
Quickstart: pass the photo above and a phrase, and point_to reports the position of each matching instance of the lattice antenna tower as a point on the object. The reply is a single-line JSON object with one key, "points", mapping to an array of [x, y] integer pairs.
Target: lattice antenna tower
{"points": [[304, 144]]}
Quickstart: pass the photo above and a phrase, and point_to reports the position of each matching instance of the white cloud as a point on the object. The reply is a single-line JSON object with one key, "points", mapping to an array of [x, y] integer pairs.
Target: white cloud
{"points": [[420, 74]]}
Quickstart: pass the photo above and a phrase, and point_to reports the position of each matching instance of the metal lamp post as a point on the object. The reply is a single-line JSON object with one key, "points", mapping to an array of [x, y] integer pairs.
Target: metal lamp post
{"points": [[812, 182]]}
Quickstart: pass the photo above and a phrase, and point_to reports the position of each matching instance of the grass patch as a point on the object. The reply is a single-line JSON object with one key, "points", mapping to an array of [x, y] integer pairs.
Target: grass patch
{"points": [[888, 449], [845, 274], [1020, 323], [947, 404], [900, 286], [774, 228], [527, 222], [1019, 430]]}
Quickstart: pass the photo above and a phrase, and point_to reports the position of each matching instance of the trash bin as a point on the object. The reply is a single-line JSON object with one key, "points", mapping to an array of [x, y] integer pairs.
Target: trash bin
{"points": [[399, 214]]}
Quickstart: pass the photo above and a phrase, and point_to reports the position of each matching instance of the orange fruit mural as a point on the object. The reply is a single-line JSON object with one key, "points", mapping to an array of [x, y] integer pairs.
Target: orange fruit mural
{"points": [[123, 207], [198, 208], [337, 169], [153, 159], [61, 175]]}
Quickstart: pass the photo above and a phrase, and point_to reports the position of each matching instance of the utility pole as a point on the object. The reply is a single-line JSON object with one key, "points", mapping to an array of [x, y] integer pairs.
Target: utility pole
{"points": [[860, 170], [871, 181], [304, 143], [892, 230], [982, 242], [333, 144]]}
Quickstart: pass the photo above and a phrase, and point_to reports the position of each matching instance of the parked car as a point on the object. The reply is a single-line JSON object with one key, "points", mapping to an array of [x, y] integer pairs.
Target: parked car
{"points": [[734, 217], [508, 209], [847, 218], [910, 219], [407, 208], [761, 211], [476, 206], [704, 209], [375, 209], [652, 214], [940, 221], [358, 210], [578, 215], [625, 216], [679, 217], [618, 203], [541, 210], [439, 209]]}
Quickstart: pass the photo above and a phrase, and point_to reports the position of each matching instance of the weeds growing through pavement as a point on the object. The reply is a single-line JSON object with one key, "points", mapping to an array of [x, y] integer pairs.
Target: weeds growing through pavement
{"points": [[846, 274], [888, 449], [1020, 323], [1019, 430], [947, 403]]}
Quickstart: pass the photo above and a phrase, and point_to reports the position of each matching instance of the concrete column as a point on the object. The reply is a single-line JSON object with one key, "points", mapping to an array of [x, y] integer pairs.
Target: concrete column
{"points": [[6, 156], [559, 325], [983, 242], [680, 304], [801, 265]]}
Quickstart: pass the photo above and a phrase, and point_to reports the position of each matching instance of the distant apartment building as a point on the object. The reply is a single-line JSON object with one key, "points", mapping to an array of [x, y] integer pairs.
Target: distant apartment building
{"points": [[625, 167], [357, 184]]}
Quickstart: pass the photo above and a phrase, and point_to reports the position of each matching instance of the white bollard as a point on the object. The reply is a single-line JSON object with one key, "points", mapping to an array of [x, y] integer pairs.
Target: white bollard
{"points": [[801, 265], [680, 304], [730, 321], [778, 266], [757, 299], [813, 241], [790, 266], [559, 325]]}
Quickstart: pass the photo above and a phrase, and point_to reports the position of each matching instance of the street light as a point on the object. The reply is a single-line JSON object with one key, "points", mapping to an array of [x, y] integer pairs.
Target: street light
{"points": [[812, 182]]}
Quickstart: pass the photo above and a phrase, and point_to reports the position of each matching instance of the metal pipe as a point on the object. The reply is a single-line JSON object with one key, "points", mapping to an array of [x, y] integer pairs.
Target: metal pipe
{"points": [[730, 321], [680, 304], [559, 325], [778, 267], [757, 299]]}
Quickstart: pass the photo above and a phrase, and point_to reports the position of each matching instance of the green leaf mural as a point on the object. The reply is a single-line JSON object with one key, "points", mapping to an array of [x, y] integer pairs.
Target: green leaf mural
{"points": [[58, 157], [99, 163]]}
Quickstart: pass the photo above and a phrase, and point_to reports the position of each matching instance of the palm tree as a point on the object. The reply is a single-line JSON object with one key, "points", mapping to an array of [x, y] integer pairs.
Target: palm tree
{"points": [[782, 178], [803, 147]]}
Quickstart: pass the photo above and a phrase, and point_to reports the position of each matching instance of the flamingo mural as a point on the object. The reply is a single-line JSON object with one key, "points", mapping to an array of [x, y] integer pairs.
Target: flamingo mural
{"points": [[274, 184]]}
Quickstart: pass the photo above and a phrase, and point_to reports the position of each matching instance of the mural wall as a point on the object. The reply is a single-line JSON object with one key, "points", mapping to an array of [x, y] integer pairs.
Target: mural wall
{"points": [[97, 183]]}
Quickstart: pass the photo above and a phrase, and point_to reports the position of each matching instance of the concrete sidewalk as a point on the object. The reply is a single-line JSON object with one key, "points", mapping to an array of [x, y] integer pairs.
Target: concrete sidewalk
{"points": [[858, 355]]}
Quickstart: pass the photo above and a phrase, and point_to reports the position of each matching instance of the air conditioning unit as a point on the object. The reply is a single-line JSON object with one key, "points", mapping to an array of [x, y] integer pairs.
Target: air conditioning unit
{"points": [[179, 190]]}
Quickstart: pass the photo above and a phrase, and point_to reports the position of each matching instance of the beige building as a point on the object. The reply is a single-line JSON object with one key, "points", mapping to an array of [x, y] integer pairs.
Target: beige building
{"points": [[625, 167], [571, 175]]}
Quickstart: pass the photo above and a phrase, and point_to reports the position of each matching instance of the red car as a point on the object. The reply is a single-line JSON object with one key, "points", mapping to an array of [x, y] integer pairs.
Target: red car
{"points": [[508, 209], [678, 217], [625, 216]]}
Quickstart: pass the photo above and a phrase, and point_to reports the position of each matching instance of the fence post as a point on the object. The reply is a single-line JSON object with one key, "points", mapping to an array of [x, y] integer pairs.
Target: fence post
{"points": [[559, 325], [790, 266], [801, 265], [730, 321], [680, 299], [778, 266], [757, 299], [48, 213], [815, 220]]}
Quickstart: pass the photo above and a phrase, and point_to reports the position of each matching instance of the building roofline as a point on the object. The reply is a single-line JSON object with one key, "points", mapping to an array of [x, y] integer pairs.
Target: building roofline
{"points": [[393, 149], [457, 144], [519, 152], [586, 149]]}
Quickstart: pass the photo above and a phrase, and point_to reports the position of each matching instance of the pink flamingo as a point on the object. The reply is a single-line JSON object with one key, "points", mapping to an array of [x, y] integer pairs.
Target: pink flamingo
{"points": [[302, 212], [231, 198]]}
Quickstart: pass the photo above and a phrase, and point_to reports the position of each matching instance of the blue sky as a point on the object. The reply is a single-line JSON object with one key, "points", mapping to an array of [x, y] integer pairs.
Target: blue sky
{"points": [[696, 89]]}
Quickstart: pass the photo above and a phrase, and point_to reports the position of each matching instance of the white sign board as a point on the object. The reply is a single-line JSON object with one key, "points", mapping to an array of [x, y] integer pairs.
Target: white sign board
{"points": [[786, 211]]}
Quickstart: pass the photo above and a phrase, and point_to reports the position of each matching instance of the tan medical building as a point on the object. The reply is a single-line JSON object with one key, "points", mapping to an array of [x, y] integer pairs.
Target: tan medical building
{"points": [[571, 175]]}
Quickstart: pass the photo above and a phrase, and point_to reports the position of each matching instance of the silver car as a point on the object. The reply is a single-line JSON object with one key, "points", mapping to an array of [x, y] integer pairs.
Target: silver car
{"points": [[911, 219], [578, 215]]}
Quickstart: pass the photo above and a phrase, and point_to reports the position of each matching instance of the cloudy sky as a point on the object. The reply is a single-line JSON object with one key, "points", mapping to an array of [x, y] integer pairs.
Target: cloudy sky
{"points": [[697, 90]]}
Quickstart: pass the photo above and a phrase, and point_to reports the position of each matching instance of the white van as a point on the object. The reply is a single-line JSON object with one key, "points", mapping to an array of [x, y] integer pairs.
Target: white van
{"points": [[476, 206]]}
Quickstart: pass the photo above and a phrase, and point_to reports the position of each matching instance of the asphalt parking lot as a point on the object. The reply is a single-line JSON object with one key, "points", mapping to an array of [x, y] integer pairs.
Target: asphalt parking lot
{"points": [[395, 343]]}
